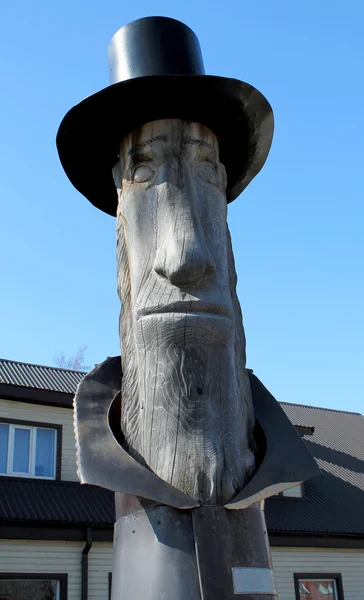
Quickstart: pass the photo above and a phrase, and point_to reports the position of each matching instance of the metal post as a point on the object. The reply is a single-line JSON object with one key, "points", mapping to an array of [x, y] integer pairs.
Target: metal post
{"points": [[206, 553]]}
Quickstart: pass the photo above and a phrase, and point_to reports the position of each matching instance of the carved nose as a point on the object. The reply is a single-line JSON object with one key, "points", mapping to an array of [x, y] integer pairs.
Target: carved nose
{"points": [[184, 257], [185, 263], [188, 275]]}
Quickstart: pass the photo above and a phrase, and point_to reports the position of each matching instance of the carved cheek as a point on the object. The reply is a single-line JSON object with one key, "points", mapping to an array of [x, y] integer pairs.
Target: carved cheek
{"points": [[139, 208], [213, 222]]}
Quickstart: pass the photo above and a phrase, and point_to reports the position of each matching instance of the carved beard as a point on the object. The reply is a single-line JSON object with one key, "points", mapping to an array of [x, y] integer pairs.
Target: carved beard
{"points": [[186, 401]]}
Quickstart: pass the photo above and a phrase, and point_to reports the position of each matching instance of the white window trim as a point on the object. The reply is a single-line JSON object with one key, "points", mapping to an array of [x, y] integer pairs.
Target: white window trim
{"points": [[32, 450]]}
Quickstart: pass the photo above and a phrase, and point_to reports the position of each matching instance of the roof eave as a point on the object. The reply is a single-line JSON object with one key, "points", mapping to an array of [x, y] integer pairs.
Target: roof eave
{"points": [[35, 396]]}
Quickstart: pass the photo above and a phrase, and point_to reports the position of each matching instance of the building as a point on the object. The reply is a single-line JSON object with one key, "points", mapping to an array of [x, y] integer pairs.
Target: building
{"points": [[56, 535]]}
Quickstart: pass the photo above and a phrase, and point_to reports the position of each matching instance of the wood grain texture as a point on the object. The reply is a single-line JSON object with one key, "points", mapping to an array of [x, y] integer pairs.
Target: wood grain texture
{"points": [[186, 400]]}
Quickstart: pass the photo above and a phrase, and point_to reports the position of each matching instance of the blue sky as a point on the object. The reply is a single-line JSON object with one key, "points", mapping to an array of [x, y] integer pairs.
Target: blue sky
{"points": [[297, 230]]}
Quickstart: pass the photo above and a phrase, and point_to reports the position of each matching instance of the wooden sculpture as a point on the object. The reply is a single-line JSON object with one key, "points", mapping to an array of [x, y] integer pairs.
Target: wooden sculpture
{"points": [[186, 402], [189, 441]]}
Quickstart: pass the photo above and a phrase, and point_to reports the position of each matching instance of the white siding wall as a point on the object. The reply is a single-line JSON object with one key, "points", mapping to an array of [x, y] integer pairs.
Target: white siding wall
{"points": [[100, 565], [350, 563], [48, 414], [28, 556]]}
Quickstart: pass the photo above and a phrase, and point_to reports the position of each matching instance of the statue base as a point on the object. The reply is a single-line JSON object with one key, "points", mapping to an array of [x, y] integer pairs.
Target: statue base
{"points": [[205, 553]]}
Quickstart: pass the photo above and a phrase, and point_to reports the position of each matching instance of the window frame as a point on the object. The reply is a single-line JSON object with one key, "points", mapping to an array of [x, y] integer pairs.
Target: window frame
{"points": [[301, 485], [58, 447], [61, 577], [282, 496], [312, 576]]}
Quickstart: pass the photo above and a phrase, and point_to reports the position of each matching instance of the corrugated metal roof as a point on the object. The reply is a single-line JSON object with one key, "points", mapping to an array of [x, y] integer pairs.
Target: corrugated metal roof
{"points": [[339, 431], [56, 501], [39, 377], [334, 502]]}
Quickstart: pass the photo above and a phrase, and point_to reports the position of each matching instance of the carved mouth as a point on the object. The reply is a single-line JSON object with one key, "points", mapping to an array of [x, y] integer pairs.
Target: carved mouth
{"points": [[188, 308]]}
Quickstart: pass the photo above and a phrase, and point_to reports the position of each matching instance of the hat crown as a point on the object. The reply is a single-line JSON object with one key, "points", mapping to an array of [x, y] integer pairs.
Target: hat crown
{"points": [[154, 46]]}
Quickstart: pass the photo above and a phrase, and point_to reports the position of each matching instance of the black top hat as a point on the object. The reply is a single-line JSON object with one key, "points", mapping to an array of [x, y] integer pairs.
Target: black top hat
{"points": [[157, 72]]}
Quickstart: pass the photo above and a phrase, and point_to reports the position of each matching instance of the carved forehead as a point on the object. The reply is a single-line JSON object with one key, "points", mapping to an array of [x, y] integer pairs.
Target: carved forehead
{"points": [[171, 132]]}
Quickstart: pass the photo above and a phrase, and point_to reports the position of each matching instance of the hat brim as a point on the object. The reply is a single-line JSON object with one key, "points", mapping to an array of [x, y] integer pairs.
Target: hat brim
{"points": [[89, 137]]}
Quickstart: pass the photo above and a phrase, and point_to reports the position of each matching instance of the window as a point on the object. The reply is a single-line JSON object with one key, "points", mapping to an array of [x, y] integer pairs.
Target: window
{"points": [[27, 450], [19, 586], [294, 492], [318, 586]]}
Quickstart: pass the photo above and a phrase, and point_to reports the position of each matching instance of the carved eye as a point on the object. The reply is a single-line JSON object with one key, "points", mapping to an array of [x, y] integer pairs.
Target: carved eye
{"points": [[206, 172], [143, 173]]}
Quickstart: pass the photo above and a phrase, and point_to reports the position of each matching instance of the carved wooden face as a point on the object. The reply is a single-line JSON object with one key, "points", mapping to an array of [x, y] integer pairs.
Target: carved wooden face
{"points": [[186, 403], [173, 207]]}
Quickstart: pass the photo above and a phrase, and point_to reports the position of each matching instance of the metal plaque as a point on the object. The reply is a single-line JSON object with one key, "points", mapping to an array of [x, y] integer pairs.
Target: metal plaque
{"points": [[253, 580]]}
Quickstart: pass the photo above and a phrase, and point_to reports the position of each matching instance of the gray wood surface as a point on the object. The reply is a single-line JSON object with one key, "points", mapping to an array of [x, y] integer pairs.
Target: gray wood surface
{"points": [[186, 400]]}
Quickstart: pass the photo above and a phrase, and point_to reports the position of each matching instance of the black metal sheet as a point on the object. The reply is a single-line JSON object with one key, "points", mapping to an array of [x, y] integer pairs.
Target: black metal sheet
{"points": [[286, 459], [100, 458], [102, 461]]}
